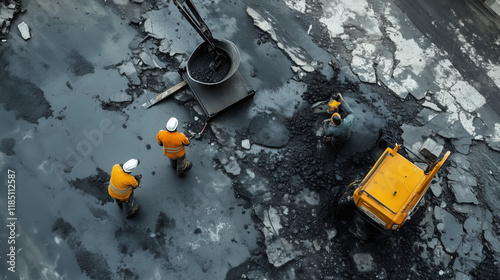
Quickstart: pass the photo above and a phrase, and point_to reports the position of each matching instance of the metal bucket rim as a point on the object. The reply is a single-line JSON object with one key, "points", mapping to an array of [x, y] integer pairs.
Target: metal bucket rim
{"points": [[235, 61]]}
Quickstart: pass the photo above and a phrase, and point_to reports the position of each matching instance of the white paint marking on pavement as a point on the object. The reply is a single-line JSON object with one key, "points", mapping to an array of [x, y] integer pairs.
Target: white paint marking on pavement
{"points": [[298, 5]]}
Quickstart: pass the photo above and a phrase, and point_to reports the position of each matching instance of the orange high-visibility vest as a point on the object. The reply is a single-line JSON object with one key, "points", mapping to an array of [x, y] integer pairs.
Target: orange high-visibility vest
{"points": [[173, 143], [121, 183]]}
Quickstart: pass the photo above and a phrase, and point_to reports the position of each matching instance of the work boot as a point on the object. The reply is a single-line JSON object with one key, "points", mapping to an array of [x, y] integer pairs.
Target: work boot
{"points": [[187, 166], [133, 212], [130, 207]]}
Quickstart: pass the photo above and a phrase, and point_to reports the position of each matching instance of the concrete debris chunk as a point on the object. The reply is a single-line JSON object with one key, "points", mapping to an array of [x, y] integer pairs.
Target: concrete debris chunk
{"points": [[364, 262], [413, 134], [470, 254], [460, 161], [152, 29], [431, 149], [461, 176], [279, 251], [385, 68], [473, 225], [432, 106], [232, 167], [266, 22], [493, 240], [7, 14], [24, 30], [450, 228], [128, 69], [463, 193], [363, 54], [165, 46], [462, 145], [272, 220], [425, 115], [493, 139], [151, 60], [245, 144], [413, 83], [436, 189], [120, 97]]}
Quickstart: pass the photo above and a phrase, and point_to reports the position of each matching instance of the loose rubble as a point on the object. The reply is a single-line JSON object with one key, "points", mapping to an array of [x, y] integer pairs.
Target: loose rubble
{"points": [[8, 12]]}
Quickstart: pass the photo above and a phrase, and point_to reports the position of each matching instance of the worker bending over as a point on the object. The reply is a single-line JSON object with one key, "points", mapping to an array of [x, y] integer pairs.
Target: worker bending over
{"points": [[339, 129], [174, 144], [122, 184]]}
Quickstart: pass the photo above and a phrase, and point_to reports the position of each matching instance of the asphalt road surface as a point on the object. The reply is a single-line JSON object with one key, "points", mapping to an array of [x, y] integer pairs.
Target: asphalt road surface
{"points": [[260, 201]]}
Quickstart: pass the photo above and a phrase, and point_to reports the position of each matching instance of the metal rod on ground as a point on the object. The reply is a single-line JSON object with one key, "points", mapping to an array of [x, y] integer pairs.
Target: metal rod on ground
{"points": [[199, 134]]}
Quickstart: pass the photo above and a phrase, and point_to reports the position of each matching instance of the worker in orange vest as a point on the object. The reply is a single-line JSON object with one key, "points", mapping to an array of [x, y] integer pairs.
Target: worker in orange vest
{"points": [[174, 144], [122, 184]]}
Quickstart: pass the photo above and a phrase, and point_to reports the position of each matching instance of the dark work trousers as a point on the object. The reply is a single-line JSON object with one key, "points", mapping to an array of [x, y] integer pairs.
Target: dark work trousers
{"points": [[181, 165], [128, 206]]}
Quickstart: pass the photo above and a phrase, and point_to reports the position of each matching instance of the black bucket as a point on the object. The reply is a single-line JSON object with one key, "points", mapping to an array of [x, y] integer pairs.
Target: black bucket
{"points": [[229, 64]]}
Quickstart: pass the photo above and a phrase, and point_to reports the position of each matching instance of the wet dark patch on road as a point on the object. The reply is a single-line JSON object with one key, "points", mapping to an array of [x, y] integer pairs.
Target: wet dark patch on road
{"points": [[269, 130], [24, 98], [99, 213], [128, 274], [132, 240], [63, 228], [95, 185], [7, 146], [93, 264], [163, 224], [78, 64]]}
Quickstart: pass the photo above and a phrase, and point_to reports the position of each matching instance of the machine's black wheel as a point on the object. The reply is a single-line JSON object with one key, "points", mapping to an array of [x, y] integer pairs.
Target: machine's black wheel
{"points": [[345, 204]]}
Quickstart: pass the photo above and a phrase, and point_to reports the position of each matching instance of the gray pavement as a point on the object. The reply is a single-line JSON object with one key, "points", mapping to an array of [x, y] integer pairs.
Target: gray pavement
{"points": [[258, 203]]}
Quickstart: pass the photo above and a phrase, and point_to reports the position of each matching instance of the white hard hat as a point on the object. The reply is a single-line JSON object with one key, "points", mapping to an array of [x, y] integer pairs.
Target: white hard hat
{"points": [[172, 124], [130, 165]]}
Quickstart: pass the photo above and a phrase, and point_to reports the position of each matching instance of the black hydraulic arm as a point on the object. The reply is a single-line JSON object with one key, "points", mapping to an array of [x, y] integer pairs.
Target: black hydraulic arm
{"points": [[194, 18]]}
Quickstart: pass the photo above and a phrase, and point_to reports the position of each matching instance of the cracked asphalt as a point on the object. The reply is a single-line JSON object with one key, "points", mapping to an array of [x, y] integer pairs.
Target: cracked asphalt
{"points": [[260, 201]]}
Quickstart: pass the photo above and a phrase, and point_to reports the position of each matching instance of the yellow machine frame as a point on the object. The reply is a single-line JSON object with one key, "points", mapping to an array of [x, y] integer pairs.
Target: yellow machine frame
{"points": [[393, 188]]}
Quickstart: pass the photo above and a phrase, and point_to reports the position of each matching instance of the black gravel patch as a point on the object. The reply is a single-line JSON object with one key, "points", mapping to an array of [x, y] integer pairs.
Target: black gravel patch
{"points": [[95, 185]]}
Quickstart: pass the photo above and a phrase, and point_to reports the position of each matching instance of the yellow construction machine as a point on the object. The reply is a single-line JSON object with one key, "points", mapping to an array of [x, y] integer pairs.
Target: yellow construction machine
{"points": [[390, 193]]}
